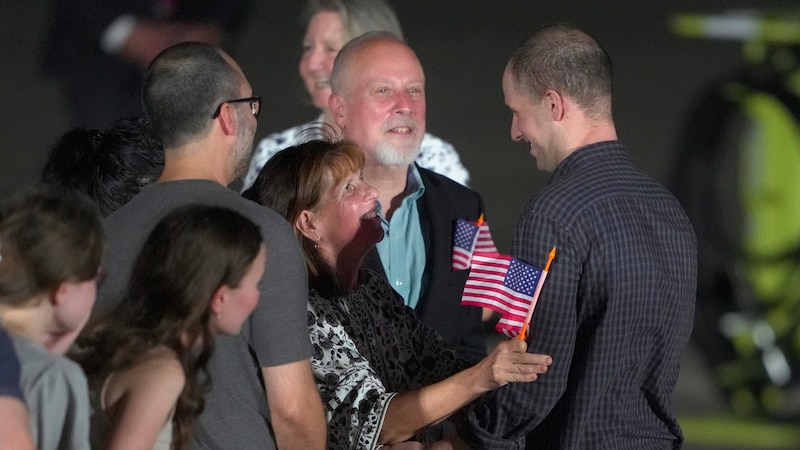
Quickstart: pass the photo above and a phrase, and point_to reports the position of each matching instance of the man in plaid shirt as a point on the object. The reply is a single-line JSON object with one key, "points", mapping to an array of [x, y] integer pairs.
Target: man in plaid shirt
{"points": [[616, 312]]}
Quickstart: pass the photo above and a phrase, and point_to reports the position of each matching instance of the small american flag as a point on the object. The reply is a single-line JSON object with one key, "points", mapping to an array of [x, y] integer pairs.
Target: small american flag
{"points": [[504, 284], [485, 243], [470, 237], [463, 244]]}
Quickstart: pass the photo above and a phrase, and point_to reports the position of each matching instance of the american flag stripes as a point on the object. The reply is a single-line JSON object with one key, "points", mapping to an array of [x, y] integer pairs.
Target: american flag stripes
{"points": [[485, 243]]}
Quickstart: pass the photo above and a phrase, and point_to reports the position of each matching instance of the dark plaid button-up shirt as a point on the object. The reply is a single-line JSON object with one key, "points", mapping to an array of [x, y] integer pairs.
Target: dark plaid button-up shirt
{"points": [[616, 312]]}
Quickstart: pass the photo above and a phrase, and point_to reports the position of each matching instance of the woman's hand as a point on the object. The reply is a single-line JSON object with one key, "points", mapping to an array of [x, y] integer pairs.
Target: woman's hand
{"points": [[509, 362], [411, 411]]}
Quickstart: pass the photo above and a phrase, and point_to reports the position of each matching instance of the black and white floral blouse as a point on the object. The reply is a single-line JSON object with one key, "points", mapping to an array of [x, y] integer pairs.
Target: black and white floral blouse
{"points": [[367, 346]]}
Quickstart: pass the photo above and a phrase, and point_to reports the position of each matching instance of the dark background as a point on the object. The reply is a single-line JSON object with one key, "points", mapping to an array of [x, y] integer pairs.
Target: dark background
{"points": [[463, 47]]}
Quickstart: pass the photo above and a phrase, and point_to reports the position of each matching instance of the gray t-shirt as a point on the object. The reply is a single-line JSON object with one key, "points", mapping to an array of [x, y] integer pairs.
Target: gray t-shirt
{"points": [[57, 397], [236, 413]]}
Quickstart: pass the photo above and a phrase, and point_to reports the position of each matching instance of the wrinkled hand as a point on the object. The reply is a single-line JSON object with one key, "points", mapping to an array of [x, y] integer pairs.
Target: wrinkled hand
{"points": [[509, 362]]}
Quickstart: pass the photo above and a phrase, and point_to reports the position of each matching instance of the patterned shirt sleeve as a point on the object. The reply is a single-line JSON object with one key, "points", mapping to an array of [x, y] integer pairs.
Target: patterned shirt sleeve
{"points": [[268, 146], [442, 158], [354, 397]]}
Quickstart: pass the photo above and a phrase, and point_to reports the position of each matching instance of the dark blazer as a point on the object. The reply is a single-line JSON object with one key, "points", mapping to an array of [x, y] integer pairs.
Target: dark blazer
{"points": [[439, 305]]}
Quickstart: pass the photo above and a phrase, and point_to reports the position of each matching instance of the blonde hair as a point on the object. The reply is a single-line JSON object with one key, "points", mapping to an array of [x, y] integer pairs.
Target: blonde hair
{"points": [[358, 16]]}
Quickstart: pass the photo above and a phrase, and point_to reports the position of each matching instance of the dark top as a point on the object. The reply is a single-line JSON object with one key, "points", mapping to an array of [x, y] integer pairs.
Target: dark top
{"points": [[615, 312], [439, 307], [9, 368]]}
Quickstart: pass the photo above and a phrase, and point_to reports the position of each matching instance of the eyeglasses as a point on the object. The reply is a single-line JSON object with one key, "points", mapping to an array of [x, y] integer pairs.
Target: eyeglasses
{"points": [[255, 105]]}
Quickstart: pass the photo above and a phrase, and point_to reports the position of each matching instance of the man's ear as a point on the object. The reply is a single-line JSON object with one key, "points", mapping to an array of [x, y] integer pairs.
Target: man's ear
{"points": [[555, 101], [306, 224], [336, 104], [227, 120]]}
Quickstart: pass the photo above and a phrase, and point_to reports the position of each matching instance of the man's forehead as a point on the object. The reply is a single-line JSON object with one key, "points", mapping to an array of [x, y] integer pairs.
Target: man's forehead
{"points": [[386, 62]]}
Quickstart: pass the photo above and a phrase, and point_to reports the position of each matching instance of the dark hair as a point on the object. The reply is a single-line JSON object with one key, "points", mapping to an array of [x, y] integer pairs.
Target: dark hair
{"points": [[294, 180], [338, 74], [358, 16], [190, 253], [564, 58], [47, 237], [182, 88], [110, 167]]}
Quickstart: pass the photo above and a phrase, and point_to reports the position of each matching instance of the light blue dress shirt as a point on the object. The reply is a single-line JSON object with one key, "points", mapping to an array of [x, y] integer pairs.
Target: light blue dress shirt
{"points": [[402, 249]]}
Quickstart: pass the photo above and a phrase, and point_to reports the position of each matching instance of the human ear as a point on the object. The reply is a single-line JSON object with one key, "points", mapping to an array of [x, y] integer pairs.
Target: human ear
{"points": [[59, 294], [555, 102], [306, 224], [218, 300], [227, 122], [336, 104]]}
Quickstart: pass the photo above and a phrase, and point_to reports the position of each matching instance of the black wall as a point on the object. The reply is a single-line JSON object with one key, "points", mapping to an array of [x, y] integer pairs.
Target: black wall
{"points": [[463, 47]]}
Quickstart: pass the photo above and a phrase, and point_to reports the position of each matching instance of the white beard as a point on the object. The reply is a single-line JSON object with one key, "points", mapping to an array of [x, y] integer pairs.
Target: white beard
{"points": [[389, 155]]}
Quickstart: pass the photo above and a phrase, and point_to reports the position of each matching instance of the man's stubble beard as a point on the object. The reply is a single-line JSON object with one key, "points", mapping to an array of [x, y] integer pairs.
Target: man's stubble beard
{"points": [[243, 148]]}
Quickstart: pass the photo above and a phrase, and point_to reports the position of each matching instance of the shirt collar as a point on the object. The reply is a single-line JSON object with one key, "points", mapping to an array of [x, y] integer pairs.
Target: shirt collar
{"points": [[591, 154], [414, 185], [414, 188]]}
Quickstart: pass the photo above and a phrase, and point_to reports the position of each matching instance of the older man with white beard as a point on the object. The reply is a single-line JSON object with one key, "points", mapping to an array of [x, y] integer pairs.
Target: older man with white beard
{"points": [[378, 100]]}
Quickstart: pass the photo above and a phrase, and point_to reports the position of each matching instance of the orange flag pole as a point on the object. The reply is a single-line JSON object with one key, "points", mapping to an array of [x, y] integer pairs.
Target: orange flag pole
{"points": [[526, 324], [480, 220]]}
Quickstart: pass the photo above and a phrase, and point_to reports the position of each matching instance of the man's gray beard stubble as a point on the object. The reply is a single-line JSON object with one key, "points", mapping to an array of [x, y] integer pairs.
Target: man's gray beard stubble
{"points": [[389, 155]]}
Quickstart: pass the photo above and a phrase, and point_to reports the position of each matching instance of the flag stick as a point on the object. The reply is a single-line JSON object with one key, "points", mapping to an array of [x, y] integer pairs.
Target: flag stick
{"points": [[526, 324], [480, 220]]}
